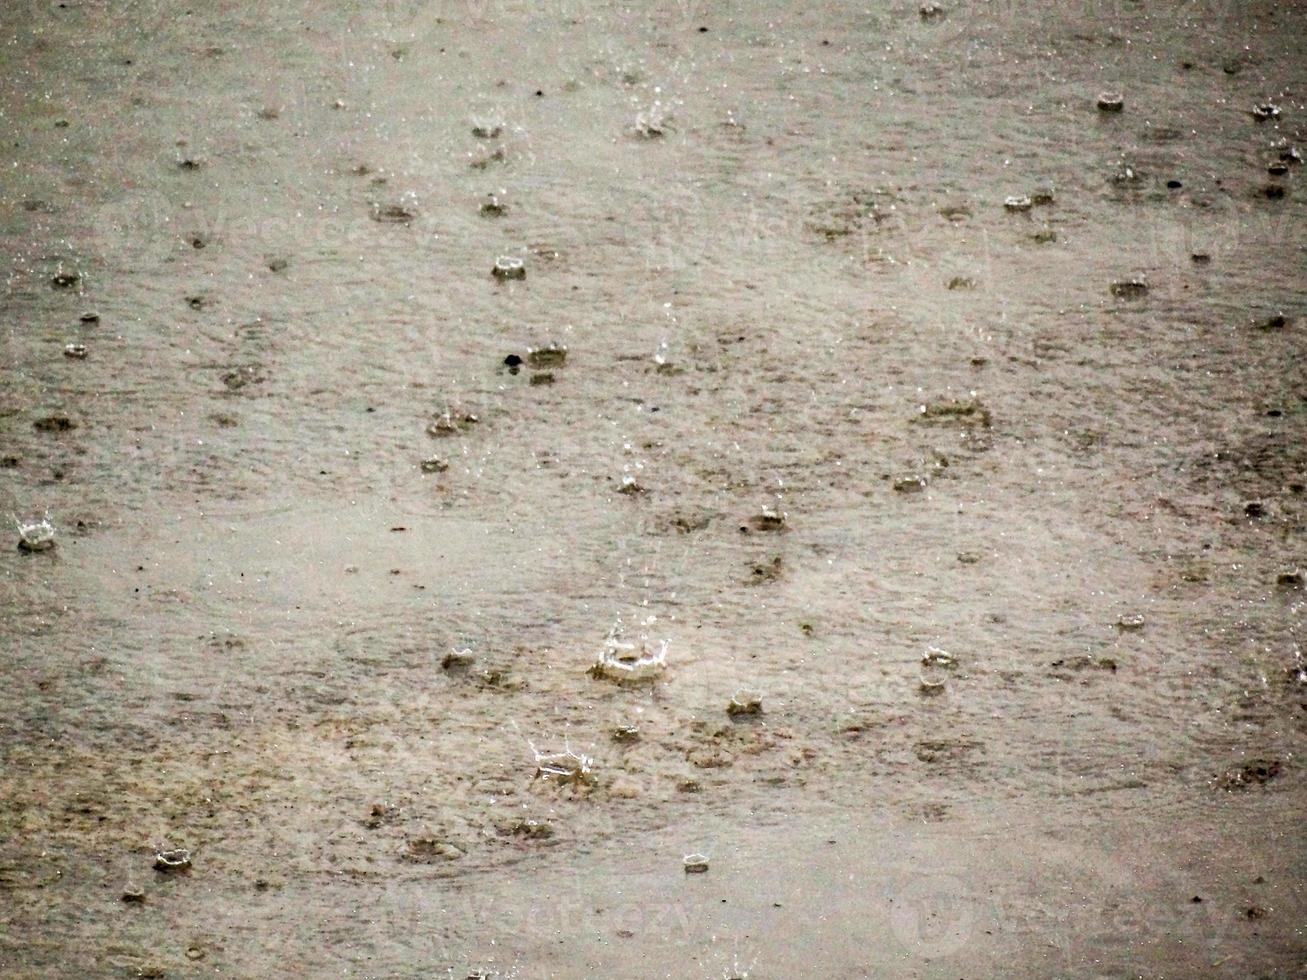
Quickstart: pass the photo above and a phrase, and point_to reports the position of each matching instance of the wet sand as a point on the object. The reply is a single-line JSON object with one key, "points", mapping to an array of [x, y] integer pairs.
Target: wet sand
{"points": [[996, 506]]}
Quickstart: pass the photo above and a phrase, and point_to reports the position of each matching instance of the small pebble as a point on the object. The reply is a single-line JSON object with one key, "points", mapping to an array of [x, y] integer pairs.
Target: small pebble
{"points": [[1017, 202], [75, 351], [1289, 580], [1130, 623], [90, 318], [1111, 101], [1266, 110]]}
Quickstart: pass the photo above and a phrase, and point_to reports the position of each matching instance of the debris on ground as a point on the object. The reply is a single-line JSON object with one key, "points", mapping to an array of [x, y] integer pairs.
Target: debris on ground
{"points": [[381, 813], [54, 423], [1256, 772], [766, 571]]}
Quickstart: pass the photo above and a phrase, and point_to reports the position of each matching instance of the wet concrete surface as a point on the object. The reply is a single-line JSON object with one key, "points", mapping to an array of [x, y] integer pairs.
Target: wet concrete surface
{"points": [[827, 403]]}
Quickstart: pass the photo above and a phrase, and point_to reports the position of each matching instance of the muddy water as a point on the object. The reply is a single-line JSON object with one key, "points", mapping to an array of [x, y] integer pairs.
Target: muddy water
{"points": [[774, 243]]}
